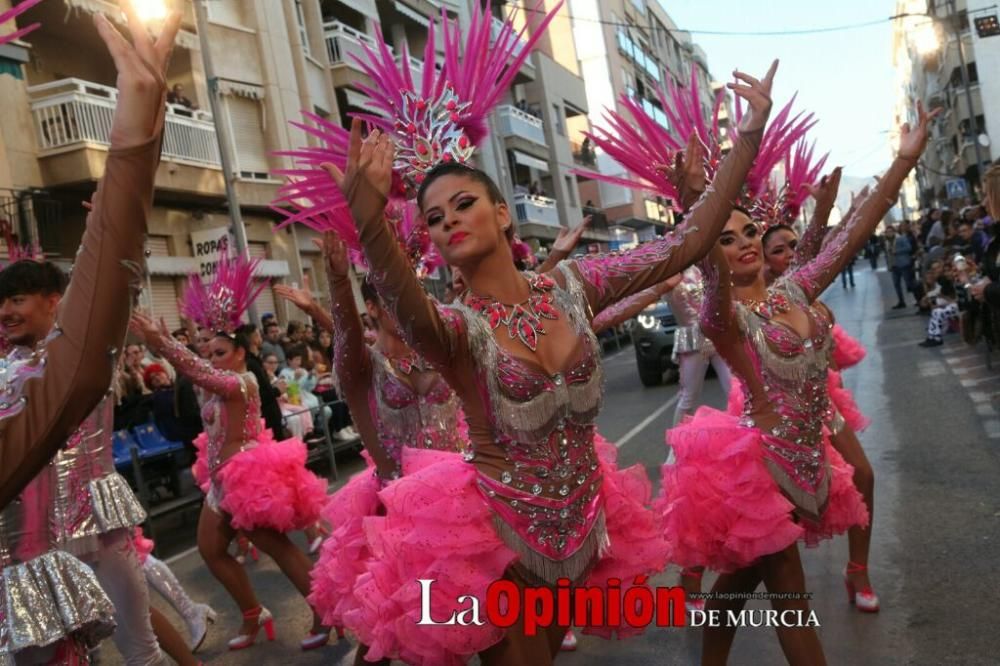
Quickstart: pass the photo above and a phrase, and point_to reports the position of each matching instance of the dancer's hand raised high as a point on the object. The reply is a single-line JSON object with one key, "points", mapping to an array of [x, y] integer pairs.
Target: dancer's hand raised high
{"points": [[758, 96], [367, 177], [142, 71], [913, 141]]}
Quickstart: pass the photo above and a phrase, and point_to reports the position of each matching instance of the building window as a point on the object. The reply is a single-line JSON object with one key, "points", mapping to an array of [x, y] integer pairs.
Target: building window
{"points": [[973, 72], [246, 121], [557, 119], [570, 193], [300, 20]]}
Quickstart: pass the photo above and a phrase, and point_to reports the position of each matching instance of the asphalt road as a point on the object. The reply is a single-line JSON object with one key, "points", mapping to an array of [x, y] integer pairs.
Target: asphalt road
{"points": [[934, 445]]}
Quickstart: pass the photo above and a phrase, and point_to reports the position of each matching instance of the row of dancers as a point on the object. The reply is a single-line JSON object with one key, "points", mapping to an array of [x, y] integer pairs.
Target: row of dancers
{"points": [[477, 417]]}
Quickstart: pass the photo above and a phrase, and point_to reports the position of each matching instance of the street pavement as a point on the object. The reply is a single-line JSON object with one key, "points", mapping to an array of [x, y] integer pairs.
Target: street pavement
{"points": [[934, 445]]}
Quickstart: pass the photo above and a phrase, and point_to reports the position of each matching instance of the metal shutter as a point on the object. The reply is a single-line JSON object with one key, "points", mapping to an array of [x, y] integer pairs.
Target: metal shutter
{"points": [[265, 302], [245, 118], [163, 300], [157, 246]]}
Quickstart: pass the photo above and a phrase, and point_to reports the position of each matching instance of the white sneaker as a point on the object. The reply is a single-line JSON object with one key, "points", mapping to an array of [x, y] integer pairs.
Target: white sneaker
{"points": [[350, 432], [568, 641], [338, 436]]}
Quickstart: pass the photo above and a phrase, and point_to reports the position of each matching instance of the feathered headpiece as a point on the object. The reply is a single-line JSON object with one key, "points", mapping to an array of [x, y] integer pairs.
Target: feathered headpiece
{"points": [[651, 152], [18, 252], [781, 204], [219, 306], [13, 13], [443, 121]]}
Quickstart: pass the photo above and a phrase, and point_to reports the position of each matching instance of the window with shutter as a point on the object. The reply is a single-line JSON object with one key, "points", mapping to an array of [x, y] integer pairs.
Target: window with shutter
{"points": [[245, 118], [257, 250], [300, 20], [157, 246], [265, 302], [163, 301]]}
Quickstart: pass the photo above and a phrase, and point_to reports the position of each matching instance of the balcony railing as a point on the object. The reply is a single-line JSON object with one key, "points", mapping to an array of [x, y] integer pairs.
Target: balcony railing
{"points": [[495, 32], [342, 41], [515, 122], [533, 209], [72, 111]]}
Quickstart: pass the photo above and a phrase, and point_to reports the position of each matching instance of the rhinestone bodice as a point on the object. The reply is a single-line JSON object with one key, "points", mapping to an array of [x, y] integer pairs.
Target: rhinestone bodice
{"points": [[403, 417], [215, 418]]}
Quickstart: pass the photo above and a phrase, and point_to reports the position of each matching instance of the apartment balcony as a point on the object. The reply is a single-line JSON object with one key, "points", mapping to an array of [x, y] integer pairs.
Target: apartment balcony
{"points": [[343, 44], [72, 122], [522, 131], [537, 216], [527, 72]]}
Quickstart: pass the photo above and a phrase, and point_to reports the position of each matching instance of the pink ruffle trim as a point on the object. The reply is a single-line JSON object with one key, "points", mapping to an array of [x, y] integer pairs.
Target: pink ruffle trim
{"points": [[345, 554], [847, 351], [843, 400], [436, 526], [269, 486], [722, 509], [638, 546], [143, 546], [199, 470]]}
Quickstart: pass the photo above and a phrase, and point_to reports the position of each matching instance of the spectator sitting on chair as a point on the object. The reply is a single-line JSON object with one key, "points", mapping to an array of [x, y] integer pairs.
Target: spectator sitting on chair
{"points": [[270, 410], [300, 374], [164, 404], [929, 286], [297, 419], [272, 343], [944, 311]]}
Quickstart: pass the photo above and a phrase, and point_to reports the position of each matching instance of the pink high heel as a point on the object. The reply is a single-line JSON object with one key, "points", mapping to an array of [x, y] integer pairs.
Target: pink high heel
{"points": [[864, 600], [264, 619]]}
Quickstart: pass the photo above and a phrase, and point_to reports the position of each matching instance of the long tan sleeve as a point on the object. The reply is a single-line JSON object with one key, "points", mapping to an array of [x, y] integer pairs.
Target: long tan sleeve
{"points": [[609, 278], [92, 318]]}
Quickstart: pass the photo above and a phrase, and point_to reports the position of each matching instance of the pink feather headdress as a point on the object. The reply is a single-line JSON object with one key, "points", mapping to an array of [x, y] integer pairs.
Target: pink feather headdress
{"points": [[16, 251], [652, 153], [220, 305], [445, 119], [782, 204], [13, 13]]}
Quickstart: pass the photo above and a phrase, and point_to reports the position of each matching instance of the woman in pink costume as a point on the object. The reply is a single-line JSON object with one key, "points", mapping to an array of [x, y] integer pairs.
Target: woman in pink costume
{"points": [[396, 401], [254, 483], [783, 250], [533, 501], [745, 489]]}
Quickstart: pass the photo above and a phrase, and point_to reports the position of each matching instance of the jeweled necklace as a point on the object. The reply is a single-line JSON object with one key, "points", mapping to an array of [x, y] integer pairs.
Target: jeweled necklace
{"points": [[405, 365], [523, 320], [776, 303]]}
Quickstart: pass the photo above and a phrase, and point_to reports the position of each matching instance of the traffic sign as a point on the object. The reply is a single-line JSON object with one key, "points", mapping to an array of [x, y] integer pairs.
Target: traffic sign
{"points": [[957, 188]]}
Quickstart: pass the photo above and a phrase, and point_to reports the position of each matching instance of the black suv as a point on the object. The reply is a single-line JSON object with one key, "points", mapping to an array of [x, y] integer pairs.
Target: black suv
{"points": [[653, 338]]}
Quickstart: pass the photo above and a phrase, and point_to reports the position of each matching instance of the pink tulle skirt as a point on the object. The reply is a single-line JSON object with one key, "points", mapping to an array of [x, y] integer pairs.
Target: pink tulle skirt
{"points": [[437, 525], [843, 400], [722, 509], [143, 546], [847, 351], [345, 555], [267, 486]]}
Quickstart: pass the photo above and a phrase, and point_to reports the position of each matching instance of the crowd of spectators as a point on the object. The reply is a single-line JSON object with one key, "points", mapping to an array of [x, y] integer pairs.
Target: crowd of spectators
{"points": [[294, 372]]}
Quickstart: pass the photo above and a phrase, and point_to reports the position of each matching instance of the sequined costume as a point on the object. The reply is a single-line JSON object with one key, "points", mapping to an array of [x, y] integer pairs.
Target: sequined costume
{"points": [[533, 492], [259, 482], [749, 486], [389, 415], [693, 351]]}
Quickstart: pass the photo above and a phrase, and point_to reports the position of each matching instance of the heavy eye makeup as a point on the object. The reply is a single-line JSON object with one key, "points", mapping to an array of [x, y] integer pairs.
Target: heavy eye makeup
{"points": [[463, 201]]}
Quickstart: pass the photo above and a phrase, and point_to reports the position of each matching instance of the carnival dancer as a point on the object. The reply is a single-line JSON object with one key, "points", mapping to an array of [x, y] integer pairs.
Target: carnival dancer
{"points": [[253, 483], [784, 251], [396, 401], [48, 395], [536, 504], [745, 489]]}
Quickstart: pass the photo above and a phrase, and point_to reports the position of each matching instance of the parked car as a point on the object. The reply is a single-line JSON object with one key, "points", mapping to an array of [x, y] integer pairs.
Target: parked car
{"points": [[653, 339]]}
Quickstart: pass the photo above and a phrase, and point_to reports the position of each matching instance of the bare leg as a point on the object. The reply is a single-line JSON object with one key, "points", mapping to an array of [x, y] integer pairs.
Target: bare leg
{"points": [[214, 536], [170, 641], [294, 563], [359, 658], [691, 582], [858, 538], [517, 648], [783, 574], [716, 642]]}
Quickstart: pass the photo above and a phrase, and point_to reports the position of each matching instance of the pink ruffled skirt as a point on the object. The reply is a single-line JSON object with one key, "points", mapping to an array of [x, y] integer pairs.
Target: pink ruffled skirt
{"points": [[345, 554], [437, 525], [267, 486], [722, 509], [843, 400], [847, 351]]}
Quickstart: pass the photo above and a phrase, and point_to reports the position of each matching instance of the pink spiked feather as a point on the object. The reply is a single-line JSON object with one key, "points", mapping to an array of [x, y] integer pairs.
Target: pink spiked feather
{"points": [[13, 13], [219, 306]]}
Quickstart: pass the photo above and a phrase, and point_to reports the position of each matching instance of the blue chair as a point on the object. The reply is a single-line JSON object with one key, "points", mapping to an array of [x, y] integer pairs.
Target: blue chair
{"points": [[153, 443], [122, 444]]}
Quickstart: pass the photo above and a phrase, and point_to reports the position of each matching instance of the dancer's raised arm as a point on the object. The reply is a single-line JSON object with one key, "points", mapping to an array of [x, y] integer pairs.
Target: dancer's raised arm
{"points": [[94, 313], [824, 194], [815, 276], [365, 183], [611, 277]]}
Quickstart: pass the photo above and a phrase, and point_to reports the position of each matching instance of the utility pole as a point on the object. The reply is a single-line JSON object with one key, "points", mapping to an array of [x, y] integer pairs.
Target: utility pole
{"points": [[223, 136], [973, 125]]}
